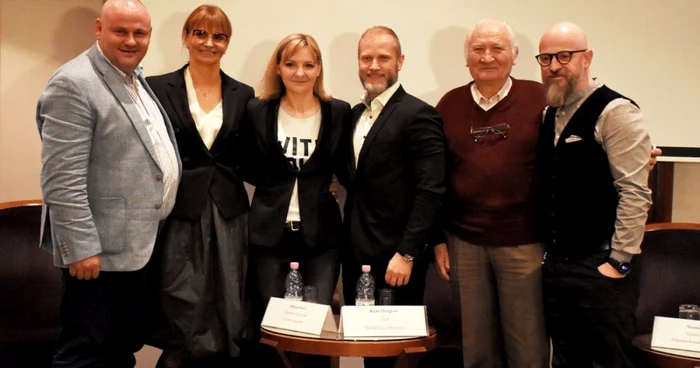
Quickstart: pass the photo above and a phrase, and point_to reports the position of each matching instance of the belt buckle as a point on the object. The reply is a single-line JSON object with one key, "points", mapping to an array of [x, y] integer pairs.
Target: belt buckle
{"points": [[291, 226]]}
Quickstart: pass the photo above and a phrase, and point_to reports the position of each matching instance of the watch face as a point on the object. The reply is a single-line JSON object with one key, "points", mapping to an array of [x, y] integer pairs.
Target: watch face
{"points": [[623, 268]]}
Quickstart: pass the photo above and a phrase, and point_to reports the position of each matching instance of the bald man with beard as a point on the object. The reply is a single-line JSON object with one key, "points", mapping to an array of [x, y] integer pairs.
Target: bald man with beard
{"points": [[109, 175], [593, 153]]}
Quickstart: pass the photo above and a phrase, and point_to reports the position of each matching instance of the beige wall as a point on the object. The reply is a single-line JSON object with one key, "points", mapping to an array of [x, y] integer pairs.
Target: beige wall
{"points": [[37, 36], [686, 196]]}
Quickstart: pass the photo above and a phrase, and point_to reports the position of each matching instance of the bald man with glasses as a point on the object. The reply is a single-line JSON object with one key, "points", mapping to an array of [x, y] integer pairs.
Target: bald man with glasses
{"points": [[593, 153]]}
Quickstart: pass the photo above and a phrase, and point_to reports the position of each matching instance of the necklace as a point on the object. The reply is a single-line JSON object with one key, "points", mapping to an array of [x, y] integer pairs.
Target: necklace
{"points": [[204, 92], [304, 113], [203, 86]]}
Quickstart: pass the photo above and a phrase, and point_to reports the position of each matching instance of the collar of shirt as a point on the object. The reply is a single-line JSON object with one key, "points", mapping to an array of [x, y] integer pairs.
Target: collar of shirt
{"points": [[502, 93], [127, 78], [189, 86], [381, 100]]}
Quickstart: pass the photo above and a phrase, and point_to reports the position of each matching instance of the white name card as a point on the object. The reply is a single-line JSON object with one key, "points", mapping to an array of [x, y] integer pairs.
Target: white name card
{"points": [[292, 315], [383, 321], [676, 333]]}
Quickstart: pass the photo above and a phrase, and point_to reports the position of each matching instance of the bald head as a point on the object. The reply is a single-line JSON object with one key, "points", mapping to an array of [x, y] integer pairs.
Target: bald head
{"points": [[111, 7], [565, 34], [123, 32], [565, 61]]}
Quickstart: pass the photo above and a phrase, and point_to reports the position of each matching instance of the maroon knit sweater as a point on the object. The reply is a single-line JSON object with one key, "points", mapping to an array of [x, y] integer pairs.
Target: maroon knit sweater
{"points": [[490, 194]]}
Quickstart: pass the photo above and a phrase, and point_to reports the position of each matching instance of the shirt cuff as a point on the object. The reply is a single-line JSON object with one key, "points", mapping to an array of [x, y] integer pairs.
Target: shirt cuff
{"points": [[620, 255]]}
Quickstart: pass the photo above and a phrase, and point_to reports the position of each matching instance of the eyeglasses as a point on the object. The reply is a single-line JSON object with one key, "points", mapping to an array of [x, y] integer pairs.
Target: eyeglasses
{"points": [[203, 36], [564, 57], [500, 129]]}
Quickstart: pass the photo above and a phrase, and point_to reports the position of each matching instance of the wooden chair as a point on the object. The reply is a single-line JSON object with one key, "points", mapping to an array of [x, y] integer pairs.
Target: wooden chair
{"points": [[30, 289]]}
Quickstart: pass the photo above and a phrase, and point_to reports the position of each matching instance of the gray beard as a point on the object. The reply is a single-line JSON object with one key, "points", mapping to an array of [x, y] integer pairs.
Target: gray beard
{"points": [[377, 89], [556, 94]]}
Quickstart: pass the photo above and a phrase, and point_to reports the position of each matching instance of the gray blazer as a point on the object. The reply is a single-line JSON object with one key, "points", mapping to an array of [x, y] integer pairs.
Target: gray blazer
{"points": [[100, 179]]}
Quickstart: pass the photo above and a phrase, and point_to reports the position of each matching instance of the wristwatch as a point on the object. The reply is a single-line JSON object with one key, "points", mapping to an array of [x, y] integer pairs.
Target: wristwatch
{"points": [[623, 267], [406, 257]]}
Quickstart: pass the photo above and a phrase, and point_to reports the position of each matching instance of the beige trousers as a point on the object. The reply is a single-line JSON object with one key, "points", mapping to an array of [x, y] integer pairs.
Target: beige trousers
{"points": [[500, 293]]}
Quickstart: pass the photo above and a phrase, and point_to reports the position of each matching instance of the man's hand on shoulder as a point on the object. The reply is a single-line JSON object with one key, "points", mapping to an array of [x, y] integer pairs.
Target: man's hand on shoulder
{"points": [[655, 152], [86, 269], [399, 271]]}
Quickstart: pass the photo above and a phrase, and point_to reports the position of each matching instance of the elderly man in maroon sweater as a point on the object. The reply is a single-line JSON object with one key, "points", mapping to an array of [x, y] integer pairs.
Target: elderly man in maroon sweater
{"points": [[495, 256]]}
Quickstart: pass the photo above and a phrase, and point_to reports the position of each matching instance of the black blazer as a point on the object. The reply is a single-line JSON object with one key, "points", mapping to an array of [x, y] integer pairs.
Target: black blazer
{"points": [[398, 186], [205, 172], [274, 177]]}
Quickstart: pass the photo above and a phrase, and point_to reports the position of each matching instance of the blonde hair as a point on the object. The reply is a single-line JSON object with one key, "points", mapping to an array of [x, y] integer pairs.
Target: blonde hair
{"points": [[271, 84], [207, 17], [372, 31]]}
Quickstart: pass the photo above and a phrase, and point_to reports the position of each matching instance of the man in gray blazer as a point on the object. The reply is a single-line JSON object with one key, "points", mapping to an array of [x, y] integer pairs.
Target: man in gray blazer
{"points": [[109, 175]]}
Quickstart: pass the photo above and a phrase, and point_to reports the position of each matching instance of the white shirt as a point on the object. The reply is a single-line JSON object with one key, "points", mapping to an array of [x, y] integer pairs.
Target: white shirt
{"points": [[208, 123], [488, 103], [369, 116], [157, 132], [297, 137]]}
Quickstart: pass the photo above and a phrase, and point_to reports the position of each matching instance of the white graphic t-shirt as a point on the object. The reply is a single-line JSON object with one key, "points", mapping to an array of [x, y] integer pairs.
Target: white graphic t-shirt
{"points": [[298, 138]]}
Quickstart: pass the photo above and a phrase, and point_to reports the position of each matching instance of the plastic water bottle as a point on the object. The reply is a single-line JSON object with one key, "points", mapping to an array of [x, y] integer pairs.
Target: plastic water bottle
{"points": [[294, 283], [365, 287]]}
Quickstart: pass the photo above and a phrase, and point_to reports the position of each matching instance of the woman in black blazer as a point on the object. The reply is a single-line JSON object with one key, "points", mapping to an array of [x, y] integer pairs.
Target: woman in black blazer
{"points": [[204, 260], [300, 137]]}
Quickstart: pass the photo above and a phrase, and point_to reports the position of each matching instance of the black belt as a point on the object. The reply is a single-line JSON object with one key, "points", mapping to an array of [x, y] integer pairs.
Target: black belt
{"points": [[292, 225]]}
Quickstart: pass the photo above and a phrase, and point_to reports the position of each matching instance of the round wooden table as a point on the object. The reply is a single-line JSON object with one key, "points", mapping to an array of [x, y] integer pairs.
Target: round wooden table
{"points": [[408, 351], [666, 358]]}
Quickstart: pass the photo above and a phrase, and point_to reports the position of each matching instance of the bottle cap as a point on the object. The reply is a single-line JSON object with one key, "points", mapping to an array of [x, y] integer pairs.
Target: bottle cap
{"points": [[366, 268], [294, 265]]}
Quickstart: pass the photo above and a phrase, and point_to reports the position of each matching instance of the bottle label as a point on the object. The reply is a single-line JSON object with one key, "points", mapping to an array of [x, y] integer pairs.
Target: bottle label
{"points": [[364, 302]]}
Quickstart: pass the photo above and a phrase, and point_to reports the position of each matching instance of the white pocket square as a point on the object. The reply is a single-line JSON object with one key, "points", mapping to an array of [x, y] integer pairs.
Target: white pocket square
{"points": [[572, 139]]}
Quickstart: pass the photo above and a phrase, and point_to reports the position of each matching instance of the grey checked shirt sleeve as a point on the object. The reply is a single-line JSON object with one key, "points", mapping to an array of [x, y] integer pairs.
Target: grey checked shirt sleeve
{"points": [[621, 131]]}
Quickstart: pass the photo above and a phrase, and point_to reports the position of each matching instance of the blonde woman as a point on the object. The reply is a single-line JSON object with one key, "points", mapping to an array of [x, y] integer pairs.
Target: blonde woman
{"points": [[300, 136]]}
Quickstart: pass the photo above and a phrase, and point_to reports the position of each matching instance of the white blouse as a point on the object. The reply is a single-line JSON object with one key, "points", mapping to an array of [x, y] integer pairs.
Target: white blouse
{"points": [[208, 123], [298, 138]]}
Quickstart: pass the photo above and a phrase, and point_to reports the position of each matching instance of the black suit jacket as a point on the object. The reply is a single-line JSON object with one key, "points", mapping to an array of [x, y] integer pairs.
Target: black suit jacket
{"points": [[274, 177], [397, 188], [206, 172]]}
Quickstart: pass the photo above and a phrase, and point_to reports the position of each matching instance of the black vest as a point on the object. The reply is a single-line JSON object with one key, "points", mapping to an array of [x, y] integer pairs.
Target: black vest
{"points": [[578, 197]]}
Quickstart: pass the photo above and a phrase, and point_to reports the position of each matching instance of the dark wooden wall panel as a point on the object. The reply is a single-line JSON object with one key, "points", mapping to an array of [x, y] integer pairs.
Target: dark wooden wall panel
{"points": [[661, 184]]}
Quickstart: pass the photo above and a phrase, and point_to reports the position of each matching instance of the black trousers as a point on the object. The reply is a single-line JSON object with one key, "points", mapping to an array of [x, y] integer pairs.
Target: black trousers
{"points": [[411, 294], [105, 320], [318, 267], [590, 317]]}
